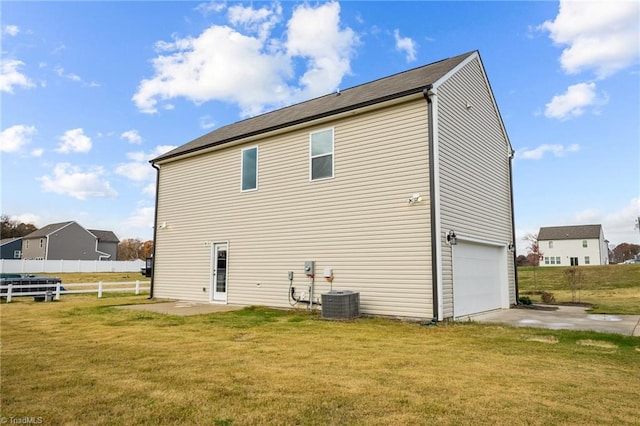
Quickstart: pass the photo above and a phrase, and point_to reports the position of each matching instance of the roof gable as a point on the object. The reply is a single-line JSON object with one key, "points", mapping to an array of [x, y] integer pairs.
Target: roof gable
{"points": [[5, 241], [46, 230], [381, 90], [579, 232], [104, 236]]}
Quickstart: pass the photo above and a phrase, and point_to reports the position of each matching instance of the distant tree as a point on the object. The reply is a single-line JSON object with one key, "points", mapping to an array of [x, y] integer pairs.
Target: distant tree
{"points": [[522, 260], [533, 249], [624, 251], [534, 257], [129, 249], [575, 278], [13, 228], [147, 249], [133, 248]]}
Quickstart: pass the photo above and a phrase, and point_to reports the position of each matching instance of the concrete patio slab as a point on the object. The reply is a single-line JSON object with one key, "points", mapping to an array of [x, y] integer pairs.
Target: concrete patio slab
{"points": [[182, 308], [564, 317]]}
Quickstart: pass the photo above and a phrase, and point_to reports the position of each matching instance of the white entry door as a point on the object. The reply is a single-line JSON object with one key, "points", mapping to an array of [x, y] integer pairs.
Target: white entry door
{"points": [[219, 273], [479, 278]]}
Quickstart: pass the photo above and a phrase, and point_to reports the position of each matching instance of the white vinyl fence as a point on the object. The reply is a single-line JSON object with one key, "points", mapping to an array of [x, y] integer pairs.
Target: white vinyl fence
{"points": [[23, 266], [53, 291]]}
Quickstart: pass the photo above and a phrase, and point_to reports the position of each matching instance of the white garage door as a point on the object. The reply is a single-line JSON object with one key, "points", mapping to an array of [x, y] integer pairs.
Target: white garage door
{"points": [[479, 273]]}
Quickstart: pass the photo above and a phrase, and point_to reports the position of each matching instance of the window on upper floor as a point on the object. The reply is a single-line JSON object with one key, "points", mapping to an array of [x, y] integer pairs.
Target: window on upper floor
{"points": [[321, 154], [249, 169], [41, 242], [26, 244], [584, 243], [17, 254], [550, 244]]}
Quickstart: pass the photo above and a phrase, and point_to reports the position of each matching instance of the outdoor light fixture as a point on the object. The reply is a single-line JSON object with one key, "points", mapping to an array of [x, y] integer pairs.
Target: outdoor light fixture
{"points": [[415, 198], [511, 247], [452, 239]]}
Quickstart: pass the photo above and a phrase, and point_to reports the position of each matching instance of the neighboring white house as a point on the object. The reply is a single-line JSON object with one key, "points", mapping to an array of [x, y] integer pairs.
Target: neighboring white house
{"points": [[573, 245], [398, 189]]}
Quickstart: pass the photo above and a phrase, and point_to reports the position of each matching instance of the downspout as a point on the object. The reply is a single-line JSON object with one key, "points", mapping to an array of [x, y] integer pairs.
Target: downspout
{"points": [[155, 231], [513, 224], [435, 238], [46, 249]]}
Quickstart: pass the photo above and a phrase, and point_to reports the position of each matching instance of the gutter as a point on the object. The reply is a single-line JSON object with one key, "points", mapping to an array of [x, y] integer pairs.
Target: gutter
{"points": [[435, 237], [155, 231]]}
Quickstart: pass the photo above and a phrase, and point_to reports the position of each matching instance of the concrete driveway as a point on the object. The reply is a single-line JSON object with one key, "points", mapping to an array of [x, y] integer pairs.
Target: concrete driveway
{"points": [[563, 318]]}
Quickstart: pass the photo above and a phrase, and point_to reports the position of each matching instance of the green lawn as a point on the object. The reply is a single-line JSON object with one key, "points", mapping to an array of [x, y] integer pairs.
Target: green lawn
{"points": [[81, 360], [611, 289]]}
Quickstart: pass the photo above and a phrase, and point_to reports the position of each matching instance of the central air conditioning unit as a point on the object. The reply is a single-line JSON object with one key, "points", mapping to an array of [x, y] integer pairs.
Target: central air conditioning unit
{"points": [[340, 304]]}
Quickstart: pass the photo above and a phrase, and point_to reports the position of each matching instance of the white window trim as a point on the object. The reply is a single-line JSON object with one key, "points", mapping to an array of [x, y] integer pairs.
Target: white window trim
{"points": [[333, 154], [242, 167]]}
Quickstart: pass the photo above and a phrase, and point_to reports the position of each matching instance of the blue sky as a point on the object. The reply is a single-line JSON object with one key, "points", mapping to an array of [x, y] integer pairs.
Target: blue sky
{"points": [[90, 91]]}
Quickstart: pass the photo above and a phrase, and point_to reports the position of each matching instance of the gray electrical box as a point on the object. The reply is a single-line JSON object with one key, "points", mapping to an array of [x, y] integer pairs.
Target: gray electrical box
{"points": [[309, 268]]}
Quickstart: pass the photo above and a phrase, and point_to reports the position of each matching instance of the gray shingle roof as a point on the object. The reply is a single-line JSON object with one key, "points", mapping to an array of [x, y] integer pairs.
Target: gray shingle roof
{"points": [[578, 232], [9, 240], [388, 88], [46, 230], [104, 236]]}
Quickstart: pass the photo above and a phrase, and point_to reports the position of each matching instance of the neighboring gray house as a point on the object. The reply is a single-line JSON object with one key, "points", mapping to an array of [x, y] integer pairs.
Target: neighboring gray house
{"points": [[398, 189], [69, 241], [573, 245], [107, 243], [11, 248]]}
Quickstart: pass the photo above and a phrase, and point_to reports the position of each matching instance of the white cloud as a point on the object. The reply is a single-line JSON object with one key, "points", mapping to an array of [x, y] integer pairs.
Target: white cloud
{"points": [[406, 45], [132, 136], [259, 21], [233, 65], [136, 171], [11, 30], [143, 217], [74, 77], [540, 151], [315, 34], [71, 76], [600, 35], [573, 102], [15, 137], [150, 189], [160, 149], [206, 122], [74, 141], [139, 170], [31, 218], [618, 225], [11, 77], [74, 182], [211, 7], [37, 152]]}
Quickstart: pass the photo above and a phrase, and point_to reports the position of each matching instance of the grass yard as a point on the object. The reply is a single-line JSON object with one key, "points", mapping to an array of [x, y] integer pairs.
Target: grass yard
{"points": [[94, 277], [81, 360], [612, 289]]}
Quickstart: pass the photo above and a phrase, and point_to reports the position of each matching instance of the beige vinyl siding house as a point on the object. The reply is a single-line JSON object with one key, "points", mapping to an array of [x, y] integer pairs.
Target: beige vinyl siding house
{"points": [[474, 180], [230, 227]]}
